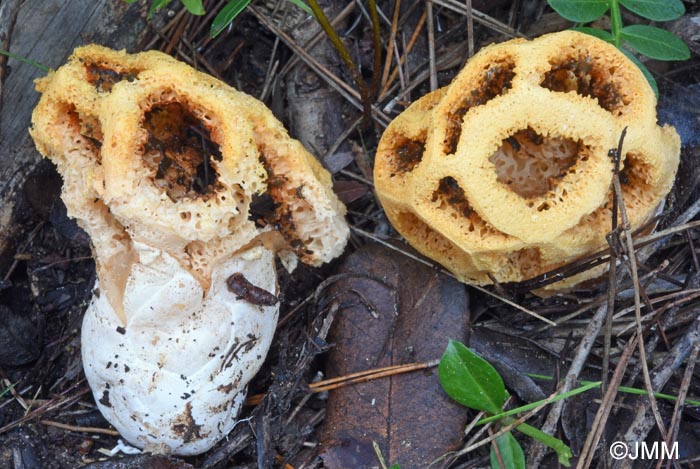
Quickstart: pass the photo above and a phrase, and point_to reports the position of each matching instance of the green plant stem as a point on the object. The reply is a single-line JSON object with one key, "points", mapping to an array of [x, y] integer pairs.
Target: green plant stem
{"points": [[615, 22], [587, 386], [345, 56], [563, 451], [43, 68], [628, 390]]}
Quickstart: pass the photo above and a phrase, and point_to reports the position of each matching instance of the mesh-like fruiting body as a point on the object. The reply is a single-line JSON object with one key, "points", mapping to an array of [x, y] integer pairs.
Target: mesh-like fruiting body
{"points": [[161, 166], [505, 173]]}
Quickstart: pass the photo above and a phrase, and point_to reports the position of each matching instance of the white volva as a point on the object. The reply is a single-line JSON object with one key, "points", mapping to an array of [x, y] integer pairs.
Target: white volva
{"points": [[174, 374]]}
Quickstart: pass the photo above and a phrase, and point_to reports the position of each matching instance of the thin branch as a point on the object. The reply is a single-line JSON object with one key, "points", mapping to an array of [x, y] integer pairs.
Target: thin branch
{"points": [[431, 45]]}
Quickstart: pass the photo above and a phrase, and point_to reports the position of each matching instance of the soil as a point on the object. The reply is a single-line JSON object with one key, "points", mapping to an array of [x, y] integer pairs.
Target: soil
{"points": [[48, 416]]}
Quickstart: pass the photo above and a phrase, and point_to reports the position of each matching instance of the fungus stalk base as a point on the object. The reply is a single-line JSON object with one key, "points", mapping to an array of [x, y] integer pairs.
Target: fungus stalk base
{"points": [[175, 373]]}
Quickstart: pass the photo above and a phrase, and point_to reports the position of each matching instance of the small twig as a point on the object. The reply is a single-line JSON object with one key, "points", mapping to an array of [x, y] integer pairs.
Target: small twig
{"points": [[350, 94], [632, 260], [53, 404], [272, 65], [612, 276], [513, 425], [442, 270], [391, 43], [355, 378], [537, 451], [480, 17], [594, 435], [642, 422], [75, 428], [431, 45], [470, 28], [377, 39], [404, 57], [21, 250], [678, 409]]}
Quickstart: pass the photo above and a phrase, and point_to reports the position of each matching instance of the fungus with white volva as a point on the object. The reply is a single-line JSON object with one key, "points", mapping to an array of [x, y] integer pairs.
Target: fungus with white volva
{"points": [[504, 174], [160, 166]]}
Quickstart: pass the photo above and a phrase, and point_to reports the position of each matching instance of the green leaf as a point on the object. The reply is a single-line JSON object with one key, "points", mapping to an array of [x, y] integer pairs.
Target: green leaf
{"points": [[470, 380], [647, 74], [656, 10], [580, 11], [599, 33], [194, 6], [156, 6], [227, 15], [511, 453], [302, 4], [130, 1], [394, 466], [655, 43]]}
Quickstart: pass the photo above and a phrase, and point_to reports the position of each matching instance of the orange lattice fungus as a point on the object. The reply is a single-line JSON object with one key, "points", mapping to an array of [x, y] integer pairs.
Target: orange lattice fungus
{"points": [[505, 173]]}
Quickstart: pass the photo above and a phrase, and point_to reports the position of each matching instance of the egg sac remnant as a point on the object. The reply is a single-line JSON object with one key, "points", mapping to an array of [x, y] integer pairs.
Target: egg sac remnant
{"points": [[160, 165], [505, 173]]}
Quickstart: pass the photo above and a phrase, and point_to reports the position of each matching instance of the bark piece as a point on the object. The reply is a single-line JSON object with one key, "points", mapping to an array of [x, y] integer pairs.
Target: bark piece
{"points": [[394, 310], [45, 31]]}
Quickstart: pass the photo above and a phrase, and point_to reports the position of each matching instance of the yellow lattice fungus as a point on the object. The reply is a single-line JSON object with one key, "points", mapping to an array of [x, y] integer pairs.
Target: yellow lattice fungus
{"points": [[505, 173], [161, 165]]}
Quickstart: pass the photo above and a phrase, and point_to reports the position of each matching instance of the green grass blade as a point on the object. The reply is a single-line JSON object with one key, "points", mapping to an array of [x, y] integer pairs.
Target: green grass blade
{"points": [[9, 54], [625, 389], [525, 408], [7, 389], [194, 6], [227, 15], [301, 4], [156, 6]]}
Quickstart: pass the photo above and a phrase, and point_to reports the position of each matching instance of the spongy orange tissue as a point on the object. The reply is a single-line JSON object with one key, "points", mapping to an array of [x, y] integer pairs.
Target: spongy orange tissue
{"points": [[505, 173]]}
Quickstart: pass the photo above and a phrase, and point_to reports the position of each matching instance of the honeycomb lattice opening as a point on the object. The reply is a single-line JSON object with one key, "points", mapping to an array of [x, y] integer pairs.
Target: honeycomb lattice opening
{"points": [[495, 80], [84, 131], [532, 165], [525, 263], [449, 195], [179, 152], [635, 182], [407, 154], [586, 76], [284, 204], [103, 77]]}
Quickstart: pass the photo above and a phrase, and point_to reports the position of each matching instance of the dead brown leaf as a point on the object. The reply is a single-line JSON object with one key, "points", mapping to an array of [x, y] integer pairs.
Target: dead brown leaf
{"points": [[409, 416]]}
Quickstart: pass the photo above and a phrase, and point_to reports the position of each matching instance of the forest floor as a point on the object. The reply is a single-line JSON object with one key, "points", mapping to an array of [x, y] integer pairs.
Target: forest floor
{"points": [[293, 417]]}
